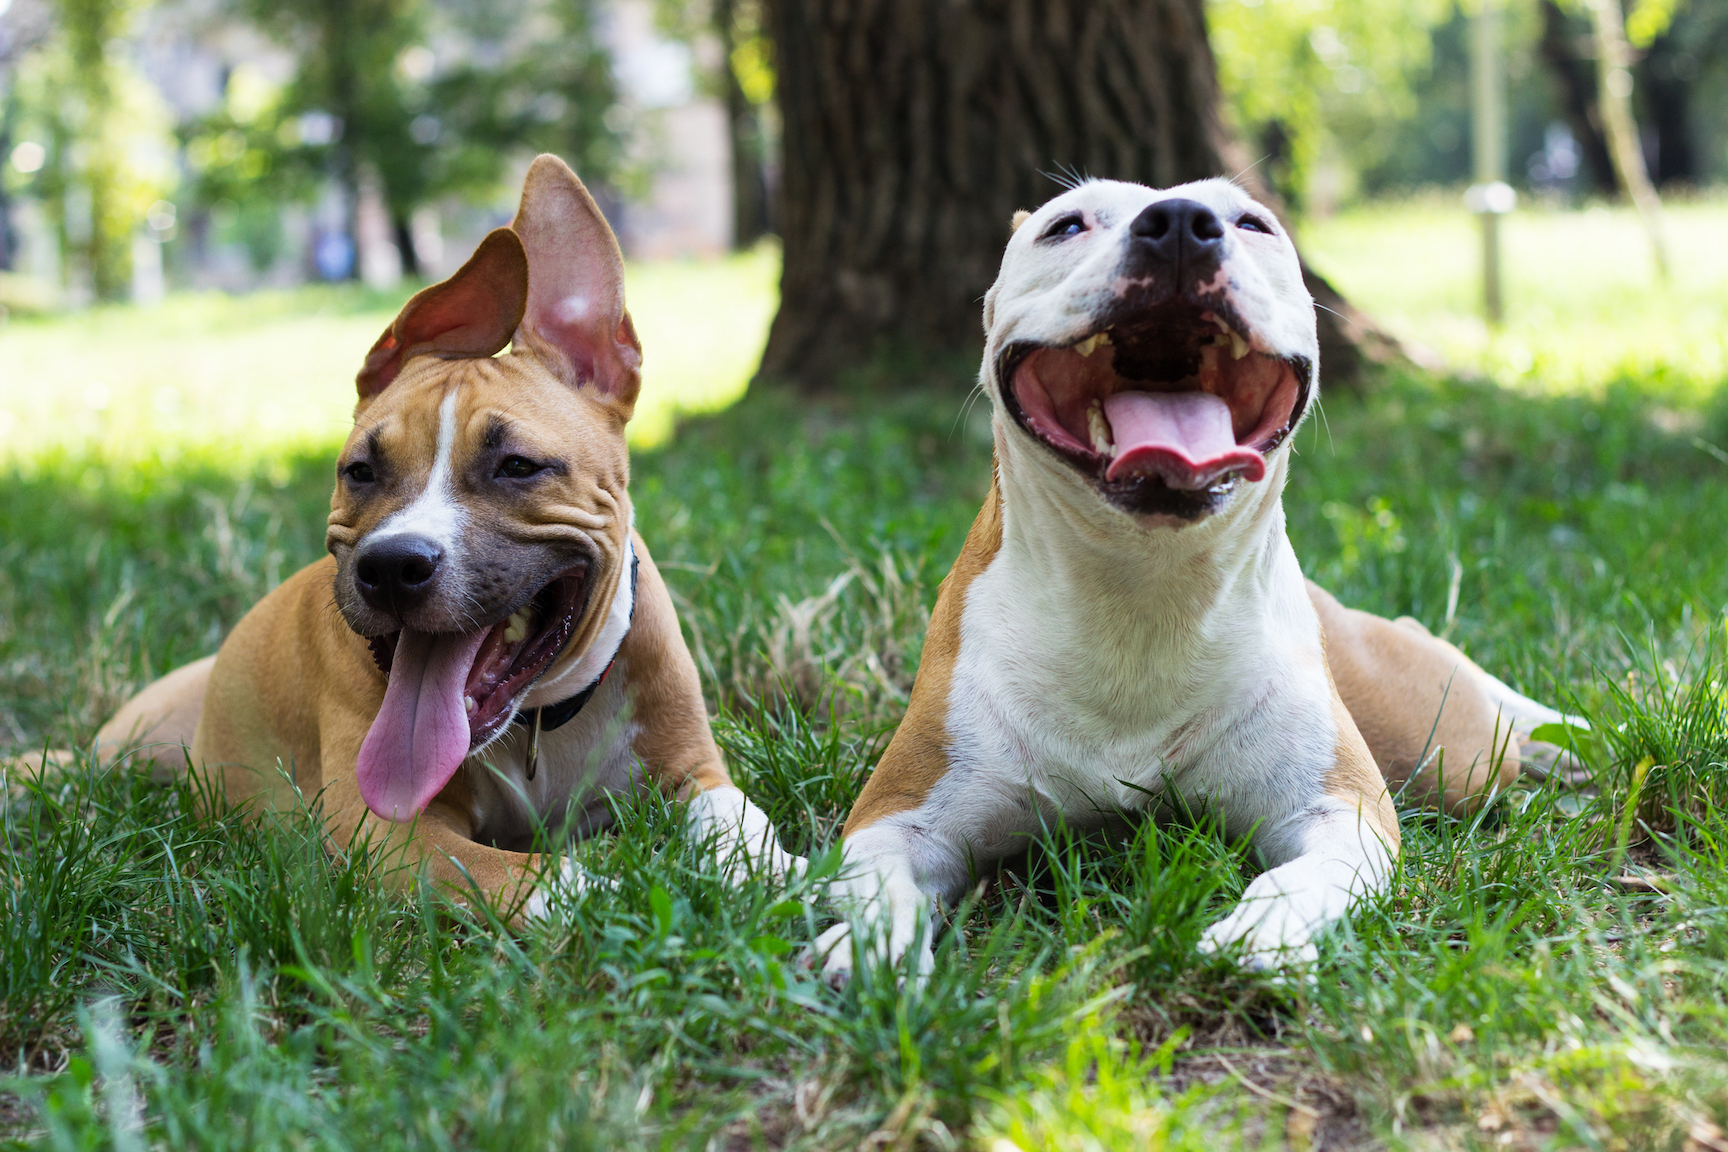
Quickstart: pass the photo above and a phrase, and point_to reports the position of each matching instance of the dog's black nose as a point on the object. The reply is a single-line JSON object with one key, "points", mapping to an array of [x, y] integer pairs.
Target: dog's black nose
{"points": [[396, 572], [1179, 232]]}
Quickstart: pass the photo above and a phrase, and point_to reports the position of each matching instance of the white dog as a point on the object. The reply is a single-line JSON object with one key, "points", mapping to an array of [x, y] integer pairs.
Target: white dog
{"points": [[1127, 618]]}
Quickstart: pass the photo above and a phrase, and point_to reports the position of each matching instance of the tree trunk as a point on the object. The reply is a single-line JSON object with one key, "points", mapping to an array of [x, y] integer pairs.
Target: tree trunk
{"points": [[1575, 74], [1614, 94], [1667, 93], [744, 131], [402, 231], [913, 130]]}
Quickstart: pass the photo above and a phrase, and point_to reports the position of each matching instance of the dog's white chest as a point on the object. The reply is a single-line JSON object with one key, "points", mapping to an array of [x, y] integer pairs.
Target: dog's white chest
{"points": [[1094, 705], [581, 765]]}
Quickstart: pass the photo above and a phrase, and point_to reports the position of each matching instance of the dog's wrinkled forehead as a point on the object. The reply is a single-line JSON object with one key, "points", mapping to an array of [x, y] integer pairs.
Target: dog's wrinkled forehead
{"points": [[1072, 262]]}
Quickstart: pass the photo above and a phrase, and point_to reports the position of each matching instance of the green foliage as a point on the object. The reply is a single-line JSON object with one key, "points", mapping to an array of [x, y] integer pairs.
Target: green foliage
{"points": [[106, 133], [553, 92], [425, 122], [1304, 78]]}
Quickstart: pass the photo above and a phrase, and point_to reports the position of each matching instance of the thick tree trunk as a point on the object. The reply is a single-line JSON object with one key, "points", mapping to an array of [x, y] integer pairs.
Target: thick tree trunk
{"points": [[913, 130]]}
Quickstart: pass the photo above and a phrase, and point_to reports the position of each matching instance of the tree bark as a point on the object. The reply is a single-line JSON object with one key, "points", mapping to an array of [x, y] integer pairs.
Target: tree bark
{"points": [[912, 130]]}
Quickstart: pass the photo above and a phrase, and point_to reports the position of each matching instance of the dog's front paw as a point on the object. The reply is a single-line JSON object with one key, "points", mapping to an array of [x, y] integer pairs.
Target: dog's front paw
{"points": [[743, 839], [833, 952], [839, 950], [1264, 941], [566, 885]]}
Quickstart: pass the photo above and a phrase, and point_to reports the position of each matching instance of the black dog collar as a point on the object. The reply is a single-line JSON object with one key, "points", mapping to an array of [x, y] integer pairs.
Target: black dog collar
{"points": [[557, 715]]}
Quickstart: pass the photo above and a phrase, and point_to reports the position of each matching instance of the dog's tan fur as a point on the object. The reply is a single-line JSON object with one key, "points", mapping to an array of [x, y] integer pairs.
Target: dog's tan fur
{"points": [[914, 762], [1419, 703]]}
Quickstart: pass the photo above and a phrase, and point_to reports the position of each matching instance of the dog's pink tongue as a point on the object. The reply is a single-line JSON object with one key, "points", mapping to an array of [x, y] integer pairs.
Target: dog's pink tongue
{"points": [[421, 733], [1183, 437]]}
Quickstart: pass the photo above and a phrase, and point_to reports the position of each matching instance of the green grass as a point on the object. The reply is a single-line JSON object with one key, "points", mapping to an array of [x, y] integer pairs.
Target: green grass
{"points": [[1584, 306], [173, 981], [235, 378]]}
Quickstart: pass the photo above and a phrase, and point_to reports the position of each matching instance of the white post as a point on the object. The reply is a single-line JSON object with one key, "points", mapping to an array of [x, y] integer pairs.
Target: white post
{"points": [[1490, 197]]}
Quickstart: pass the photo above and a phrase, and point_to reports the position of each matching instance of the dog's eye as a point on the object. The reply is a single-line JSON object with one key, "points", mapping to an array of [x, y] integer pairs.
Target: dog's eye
{"points": [[1254, 224], [516, 467], [360, 472], [1065, 227]]}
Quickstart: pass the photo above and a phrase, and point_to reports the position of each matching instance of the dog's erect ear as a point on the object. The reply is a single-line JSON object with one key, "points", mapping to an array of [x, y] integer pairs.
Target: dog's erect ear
{"points": [[575, 317], [470, 315], [1020, 218]]}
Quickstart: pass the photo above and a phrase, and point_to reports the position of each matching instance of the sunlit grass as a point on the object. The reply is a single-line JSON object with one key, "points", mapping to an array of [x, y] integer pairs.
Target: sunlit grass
{"points": [[1585, 307], [216, 376], [1547, 973]]}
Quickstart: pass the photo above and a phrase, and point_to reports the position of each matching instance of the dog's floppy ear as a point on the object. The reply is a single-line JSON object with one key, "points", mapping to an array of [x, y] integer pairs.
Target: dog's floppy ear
{"points": [[575, 318], [470, 315]]}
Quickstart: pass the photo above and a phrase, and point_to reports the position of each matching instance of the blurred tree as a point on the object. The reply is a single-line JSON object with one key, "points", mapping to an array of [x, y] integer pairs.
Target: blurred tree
{"points": [[913, 131], [106, 136], [743, 81], [1678, 49], [23, 26], [347, 53], [519, 74], [748, 82], [370, 94], [1569, 54], [1303, 80], [1614, 88]]}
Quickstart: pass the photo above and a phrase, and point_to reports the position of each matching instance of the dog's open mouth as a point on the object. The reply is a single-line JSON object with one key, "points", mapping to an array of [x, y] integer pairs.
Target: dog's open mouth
{"points": [[451, 692], [1165, 411]]}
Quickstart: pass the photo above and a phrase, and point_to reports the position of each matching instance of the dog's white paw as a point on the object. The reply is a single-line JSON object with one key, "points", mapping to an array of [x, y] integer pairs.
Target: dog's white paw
{"points": [[833, 951], [743, 839], [1268, 939], [888, 943], [569, 883]]}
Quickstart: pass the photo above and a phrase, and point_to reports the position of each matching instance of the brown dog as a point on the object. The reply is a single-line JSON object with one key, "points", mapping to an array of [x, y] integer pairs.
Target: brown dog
{"points": [[489, 647]]}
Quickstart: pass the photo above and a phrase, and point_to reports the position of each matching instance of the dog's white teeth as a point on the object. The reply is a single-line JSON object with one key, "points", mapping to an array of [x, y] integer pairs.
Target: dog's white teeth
{"points": [[1099, 428], [1089, 345], [468, 705], [1238, 346], [518, 628]]}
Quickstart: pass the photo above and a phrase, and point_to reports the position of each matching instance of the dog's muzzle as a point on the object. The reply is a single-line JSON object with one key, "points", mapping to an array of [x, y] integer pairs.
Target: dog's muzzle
{"points": [[1166, 406]]}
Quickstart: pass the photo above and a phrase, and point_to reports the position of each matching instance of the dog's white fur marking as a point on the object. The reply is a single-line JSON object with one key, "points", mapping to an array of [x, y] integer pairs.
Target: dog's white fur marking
{"points": [[1285, 906], [582, 672], [1103, 658], [885, 896], [744, 840], [435, 513]]}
